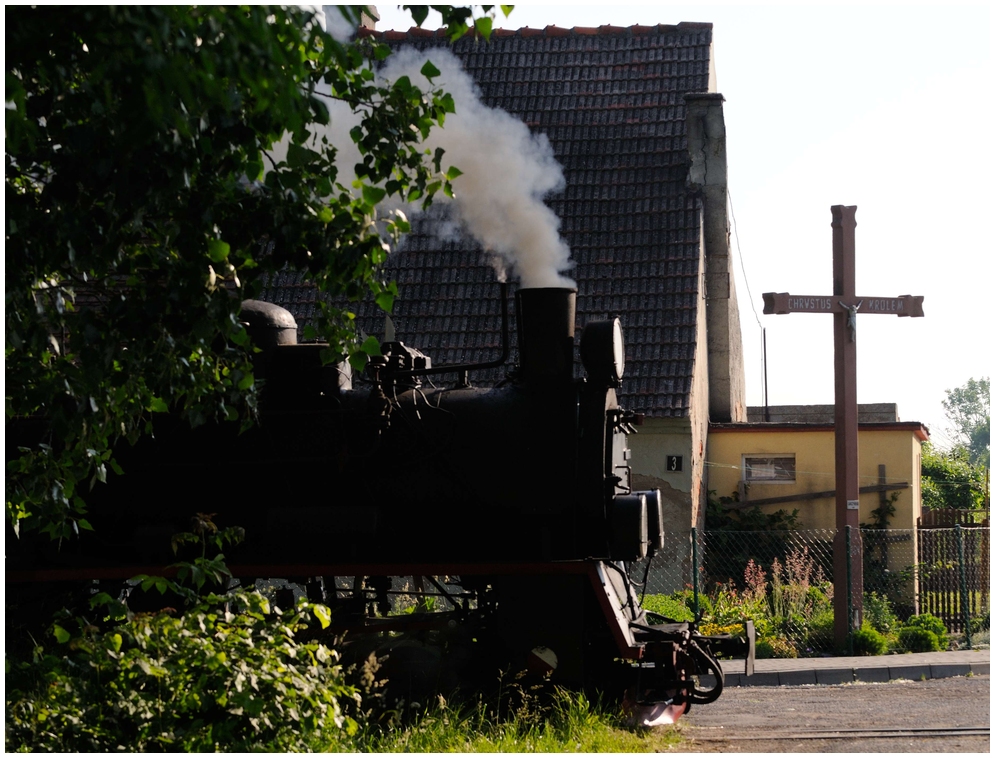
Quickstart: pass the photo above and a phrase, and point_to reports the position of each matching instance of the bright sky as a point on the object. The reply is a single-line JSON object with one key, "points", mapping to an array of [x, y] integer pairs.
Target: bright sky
{"points": [[886, 107]]}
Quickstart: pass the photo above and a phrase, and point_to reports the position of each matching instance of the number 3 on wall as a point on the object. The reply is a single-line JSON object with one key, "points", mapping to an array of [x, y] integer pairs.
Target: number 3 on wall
{"points": [[675, 463]]}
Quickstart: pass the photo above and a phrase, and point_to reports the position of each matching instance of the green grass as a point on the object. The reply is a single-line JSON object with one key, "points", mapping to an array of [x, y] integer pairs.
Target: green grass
{"points": [[569, 723]]}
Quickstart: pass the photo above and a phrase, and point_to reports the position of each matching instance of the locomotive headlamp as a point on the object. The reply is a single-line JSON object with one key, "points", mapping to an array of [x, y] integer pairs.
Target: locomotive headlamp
{"points": [[602, 351]]}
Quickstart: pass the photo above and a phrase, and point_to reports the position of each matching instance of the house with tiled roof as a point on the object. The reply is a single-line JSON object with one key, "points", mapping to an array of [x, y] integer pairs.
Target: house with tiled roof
{"points": [[633, 117]]}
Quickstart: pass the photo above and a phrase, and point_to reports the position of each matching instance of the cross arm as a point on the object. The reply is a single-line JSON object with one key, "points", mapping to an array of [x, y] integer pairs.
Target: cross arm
{"points": [[783, 302]]}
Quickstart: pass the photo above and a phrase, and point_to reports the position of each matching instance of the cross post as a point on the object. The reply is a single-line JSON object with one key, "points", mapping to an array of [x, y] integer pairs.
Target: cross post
{"points": [[848, 573]]}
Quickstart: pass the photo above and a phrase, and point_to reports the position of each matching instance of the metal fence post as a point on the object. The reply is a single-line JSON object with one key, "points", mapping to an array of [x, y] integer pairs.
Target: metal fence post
{"points": [[849, 593], [965, 608], [694, 572]]}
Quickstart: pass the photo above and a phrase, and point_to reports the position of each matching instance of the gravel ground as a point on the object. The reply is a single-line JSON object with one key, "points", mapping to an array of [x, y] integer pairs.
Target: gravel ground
{"points": [[771, 712]]}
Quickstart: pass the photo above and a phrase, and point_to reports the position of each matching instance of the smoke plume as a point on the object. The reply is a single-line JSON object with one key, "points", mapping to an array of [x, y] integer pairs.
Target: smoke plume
{"points": [[507, 171]]}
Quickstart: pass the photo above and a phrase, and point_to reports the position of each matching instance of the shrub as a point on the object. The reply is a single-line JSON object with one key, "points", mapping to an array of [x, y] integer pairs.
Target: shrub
{"points": [[868, 641], [878, 612], [821, 634], [933, 624], [915, 639], [711, 630], [207, 680], [671, 606], [776, 647]]}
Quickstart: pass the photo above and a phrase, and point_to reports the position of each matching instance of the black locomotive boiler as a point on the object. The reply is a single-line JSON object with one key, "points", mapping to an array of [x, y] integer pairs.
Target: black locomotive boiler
{"points": [[513, 504]]}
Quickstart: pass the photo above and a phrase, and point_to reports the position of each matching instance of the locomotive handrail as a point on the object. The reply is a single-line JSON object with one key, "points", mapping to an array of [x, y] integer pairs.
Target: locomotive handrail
{"points": [[457, 367]]}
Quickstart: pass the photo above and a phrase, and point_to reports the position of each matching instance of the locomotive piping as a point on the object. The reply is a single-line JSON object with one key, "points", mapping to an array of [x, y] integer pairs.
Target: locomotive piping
{"points": [[462, 367]]}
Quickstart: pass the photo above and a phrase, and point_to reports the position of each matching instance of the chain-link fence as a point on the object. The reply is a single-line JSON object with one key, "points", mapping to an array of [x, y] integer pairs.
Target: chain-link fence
{"points": [[783, 579]]}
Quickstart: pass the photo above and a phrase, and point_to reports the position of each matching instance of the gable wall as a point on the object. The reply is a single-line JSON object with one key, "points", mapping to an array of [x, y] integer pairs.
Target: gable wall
{"points": [[683, 493], [815, 466]]}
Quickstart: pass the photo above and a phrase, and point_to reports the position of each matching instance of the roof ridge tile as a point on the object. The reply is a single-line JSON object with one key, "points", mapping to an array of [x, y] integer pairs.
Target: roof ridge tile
{"points": [[417, 32]]}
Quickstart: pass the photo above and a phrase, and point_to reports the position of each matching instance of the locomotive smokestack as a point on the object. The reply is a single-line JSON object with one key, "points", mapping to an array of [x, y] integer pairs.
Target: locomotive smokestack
{"points": [[546, 333]]}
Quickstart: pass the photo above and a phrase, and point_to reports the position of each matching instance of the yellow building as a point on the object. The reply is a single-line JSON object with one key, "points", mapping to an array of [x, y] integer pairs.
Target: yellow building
{"points": [[790, 464]]}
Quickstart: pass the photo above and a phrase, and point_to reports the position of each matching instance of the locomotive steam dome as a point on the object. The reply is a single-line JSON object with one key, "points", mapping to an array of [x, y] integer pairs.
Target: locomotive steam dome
{"points": [[268, 325]]}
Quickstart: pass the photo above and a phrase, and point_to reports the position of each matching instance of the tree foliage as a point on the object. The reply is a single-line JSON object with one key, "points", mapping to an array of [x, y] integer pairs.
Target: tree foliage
{"points": [[968, 409], [950, 480], [144, 201]]}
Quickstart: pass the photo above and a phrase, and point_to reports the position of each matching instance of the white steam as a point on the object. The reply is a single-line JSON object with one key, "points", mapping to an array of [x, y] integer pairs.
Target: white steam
{"points": [[332, 21], [507, 171]]}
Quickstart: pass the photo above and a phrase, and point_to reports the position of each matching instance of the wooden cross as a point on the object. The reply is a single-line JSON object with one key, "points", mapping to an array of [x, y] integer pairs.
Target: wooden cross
{"points": [[844, 304]]}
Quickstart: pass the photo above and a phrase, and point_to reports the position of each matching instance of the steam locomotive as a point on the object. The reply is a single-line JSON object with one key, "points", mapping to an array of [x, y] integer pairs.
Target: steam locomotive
{"points": [[513, 504]]}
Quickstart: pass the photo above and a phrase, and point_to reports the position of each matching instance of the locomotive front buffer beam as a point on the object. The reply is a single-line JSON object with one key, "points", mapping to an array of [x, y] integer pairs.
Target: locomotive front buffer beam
{"points": [[674, 666]]}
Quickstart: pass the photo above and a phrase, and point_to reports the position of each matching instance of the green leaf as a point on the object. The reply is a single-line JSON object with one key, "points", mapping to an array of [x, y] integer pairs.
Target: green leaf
{"points": [[157, 405], [217, 250], [386, 301], [101, 598], [429, 71], [323, 614], [418, 12], [299, 156], [373, 195], [61, 634], [484, 25], [358, 360], [371, 346]]}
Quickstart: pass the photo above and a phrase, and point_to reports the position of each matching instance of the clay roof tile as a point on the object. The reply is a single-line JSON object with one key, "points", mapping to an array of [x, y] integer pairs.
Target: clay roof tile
{"points": [[626, 211]]}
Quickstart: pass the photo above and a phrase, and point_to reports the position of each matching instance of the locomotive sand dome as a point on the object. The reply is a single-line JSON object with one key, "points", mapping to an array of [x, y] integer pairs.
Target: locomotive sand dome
{"points": [[513, 502]]}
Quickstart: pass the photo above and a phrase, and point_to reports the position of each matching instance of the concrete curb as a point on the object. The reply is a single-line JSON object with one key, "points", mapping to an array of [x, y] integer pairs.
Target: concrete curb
{"points": [[850, 674]]}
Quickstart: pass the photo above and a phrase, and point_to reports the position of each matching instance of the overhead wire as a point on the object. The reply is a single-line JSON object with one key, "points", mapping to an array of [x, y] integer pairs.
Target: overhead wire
{"points": [[749, 293], [742, 265]]}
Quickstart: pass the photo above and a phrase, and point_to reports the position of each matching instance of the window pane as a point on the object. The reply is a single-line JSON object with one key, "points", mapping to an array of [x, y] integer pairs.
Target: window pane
{"points": [[770, 469]]}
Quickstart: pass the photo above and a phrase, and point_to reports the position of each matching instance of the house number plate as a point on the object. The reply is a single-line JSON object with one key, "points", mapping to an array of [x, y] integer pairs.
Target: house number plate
{"points": [[853, 505]]}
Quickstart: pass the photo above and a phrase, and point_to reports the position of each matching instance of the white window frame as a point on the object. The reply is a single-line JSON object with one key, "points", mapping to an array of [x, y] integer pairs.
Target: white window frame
{"points": [[768, 456]]}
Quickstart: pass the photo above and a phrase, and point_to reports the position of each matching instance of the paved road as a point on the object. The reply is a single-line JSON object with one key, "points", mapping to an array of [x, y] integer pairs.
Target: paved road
{"points": [[775, 719]]}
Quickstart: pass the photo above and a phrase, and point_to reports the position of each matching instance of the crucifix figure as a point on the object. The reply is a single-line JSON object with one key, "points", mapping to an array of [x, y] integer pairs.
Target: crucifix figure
{"points": [[851, 317], [848, 578]]}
